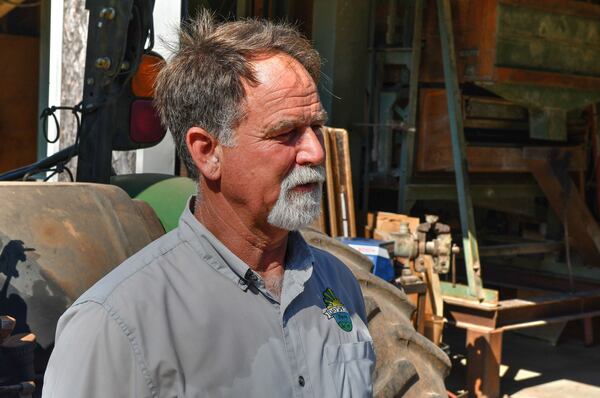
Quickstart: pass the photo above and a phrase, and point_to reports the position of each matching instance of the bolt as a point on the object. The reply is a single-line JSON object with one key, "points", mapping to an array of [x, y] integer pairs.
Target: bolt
{"points": [[103, 63], [107, 13], [125, 65]]}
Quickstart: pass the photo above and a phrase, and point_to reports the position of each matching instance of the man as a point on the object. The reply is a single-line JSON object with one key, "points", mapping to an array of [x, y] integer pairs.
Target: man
{"points": [[233, 303]]}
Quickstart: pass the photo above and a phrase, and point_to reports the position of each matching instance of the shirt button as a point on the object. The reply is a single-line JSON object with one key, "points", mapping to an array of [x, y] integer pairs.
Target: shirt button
{"points": [[301, 381]]}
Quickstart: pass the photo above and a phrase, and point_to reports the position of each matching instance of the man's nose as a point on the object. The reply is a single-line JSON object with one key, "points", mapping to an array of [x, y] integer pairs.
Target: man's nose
{"points": [[310, 147]]}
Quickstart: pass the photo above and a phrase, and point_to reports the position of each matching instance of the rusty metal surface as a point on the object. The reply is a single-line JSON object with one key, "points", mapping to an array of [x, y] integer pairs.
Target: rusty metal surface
{"points": [[434, 144], [520, 312], [484, 354], [540, 54], [511, 41], [56, 240], [485, 324]]}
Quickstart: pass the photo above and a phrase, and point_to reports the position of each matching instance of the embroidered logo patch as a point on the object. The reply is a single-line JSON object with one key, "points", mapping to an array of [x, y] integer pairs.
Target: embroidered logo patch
{"points": [[336, 310]]}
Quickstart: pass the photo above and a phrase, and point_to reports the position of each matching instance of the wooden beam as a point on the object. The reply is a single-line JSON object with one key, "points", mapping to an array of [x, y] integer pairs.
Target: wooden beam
{"points": [[550, 169], [520, 249]]}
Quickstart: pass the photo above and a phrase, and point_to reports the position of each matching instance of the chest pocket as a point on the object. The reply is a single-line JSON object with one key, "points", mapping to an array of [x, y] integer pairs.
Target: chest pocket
{"points": [[351, 366]]}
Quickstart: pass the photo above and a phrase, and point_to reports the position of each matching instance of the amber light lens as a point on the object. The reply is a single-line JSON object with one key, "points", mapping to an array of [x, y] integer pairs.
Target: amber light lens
{"points": [[144, 124], [144, 127], [142, 84]]}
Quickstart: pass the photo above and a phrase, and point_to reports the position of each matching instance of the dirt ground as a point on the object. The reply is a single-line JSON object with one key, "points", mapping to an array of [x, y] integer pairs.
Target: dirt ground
{"points": [[533, 368]]}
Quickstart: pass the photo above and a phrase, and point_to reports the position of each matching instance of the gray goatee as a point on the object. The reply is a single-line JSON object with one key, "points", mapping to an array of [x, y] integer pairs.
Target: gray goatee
{"points": [[295, 210]]}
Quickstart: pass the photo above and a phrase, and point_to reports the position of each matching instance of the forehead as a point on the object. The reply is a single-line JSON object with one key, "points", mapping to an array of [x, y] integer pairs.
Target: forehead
{"points": [[284, 90]]}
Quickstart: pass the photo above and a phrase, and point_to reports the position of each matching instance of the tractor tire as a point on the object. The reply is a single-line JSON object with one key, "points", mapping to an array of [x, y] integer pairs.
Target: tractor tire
{"points": [[408, 364]]}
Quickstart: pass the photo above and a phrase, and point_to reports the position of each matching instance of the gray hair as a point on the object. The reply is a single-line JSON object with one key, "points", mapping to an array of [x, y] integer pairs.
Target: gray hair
{"points": [[201, 85]]}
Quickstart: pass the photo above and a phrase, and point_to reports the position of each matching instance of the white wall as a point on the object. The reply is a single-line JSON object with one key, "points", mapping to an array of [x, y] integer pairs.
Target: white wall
{"points": [[55, 65], [161, 158]]}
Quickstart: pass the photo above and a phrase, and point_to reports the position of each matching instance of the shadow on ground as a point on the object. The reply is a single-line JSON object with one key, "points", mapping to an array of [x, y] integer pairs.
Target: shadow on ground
{"points": [[534, 368]]}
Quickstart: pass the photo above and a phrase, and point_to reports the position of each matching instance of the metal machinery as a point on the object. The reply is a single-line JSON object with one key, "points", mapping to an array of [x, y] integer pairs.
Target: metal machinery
{"points": [[422, 251], [490, 103]]}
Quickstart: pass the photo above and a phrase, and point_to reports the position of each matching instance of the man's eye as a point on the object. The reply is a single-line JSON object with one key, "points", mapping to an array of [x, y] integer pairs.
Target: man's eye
{"points": [[284, 135]]}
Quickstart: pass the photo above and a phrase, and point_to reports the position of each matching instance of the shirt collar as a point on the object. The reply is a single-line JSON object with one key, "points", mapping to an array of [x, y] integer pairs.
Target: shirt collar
{"points": [[298, 262], [211, 249]]}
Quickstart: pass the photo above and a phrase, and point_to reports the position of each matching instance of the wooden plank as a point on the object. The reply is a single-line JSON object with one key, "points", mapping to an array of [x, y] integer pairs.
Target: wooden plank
{"points": [[434, 289], [546, 40], [342, 144], [496, 124], [330, 186], [390, 222], [550, 170], [566, 7], [370, 225], [342, 178], [520, 249], [480, 192], [547, 79]]}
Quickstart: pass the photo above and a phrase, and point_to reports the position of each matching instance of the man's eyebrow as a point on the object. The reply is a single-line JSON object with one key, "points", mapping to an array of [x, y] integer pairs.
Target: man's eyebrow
{"points": [[321, 117], [287, 124]]}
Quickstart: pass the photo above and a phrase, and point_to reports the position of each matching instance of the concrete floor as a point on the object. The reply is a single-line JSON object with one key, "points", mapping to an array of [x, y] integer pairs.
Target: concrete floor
{"points": [[533, 368]]}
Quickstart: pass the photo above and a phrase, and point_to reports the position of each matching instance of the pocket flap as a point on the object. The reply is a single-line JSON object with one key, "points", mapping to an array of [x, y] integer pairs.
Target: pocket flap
{"points": [[337, 353]]}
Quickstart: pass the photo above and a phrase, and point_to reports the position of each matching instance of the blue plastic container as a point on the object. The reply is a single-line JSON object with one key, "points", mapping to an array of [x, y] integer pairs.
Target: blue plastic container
{"points": [[378, 251]]}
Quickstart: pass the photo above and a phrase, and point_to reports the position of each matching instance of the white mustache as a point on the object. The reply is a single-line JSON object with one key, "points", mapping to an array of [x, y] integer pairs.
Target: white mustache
{"points": [[301, 175]]}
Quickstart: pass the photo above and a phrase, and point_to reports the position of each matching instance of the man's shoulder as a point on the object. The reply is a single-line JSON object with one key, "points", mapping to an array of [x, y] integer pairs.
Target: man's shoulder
{"points": [[131, 273], [327, 263], [333, 270], [334, 273]]}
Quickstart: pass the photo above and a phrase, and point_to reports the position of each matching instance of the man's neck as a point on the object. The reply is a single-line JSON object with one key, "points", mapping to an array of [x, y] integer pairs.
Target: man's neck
{"points": [[263, 249]]}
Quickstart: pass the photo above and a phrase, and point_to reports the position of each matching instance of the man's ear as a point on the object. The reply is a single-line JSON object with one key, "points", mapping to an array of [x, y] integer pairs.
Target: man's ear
{"points": [[205, 151]]}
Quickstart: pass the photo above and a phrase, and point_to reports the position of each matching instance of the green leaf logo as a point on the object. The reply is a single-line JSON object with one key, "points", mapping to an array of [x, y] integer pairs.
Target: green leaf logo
{"points": [[336, 310]]}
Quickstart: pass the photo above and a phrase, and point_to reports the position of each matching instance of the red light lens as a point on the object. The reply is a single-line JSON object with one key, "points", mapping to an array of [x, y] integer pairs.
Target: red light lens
{"points": [[145, 127]]}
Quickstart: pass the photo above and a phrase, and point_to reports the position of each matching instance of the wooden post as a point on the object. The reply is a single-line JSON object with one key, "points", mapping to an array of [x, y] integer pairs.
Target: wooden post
{"points": [[484, 353]]}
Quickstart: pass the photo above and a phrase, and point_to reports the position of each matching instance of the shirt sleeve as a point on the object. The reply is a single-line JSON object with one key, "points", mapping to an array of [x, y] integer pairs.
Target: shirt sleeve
{"points": [[93, 357]]}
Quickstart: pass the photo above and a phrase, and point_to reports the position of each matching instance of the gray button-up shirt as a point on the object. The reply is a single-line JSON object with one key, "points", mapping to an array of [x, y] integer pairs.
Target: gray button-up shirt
{"points": [[185, 317]]}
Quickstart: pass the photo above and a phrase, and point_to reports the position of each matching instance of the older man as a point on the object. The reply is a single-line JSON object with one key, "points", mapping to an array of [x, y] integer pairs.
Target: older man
{"points": [[233, 303]]}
